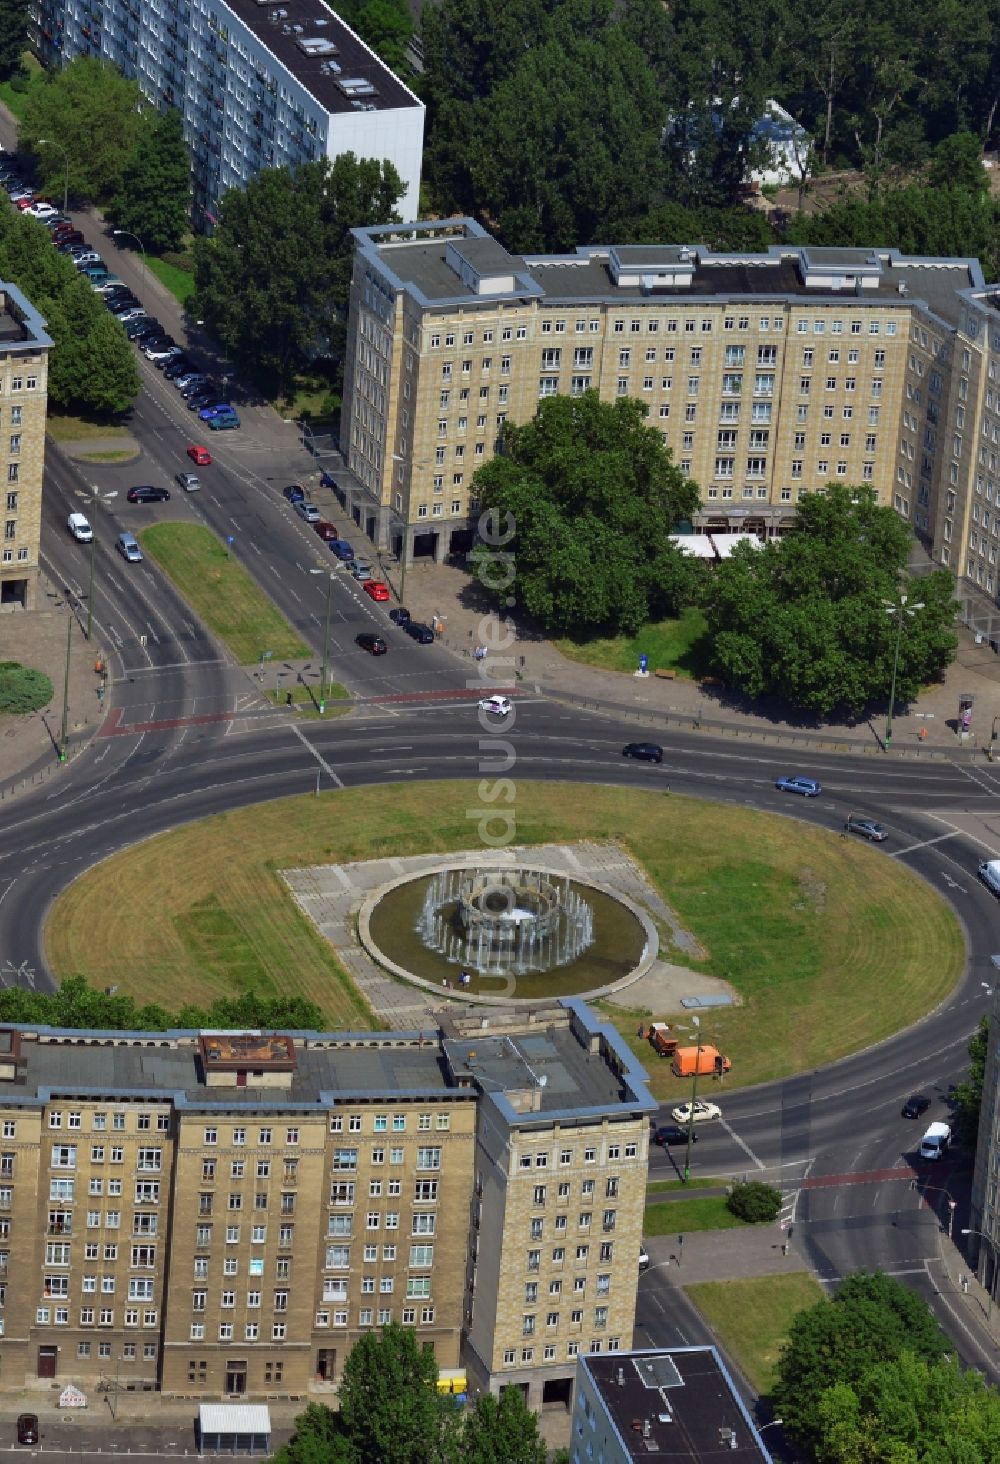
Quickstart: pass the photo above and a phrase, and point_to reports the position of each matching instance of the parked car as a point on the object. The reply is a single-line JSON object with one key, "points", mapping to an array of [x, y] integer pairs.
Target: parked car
{"points": [[179, 366], [361, 570], [142, 329], [342, 549], [128, 547], [497, 706], [202, 396], [27, 1428], [643, 751], [294, 493], [305, 510], [122, 306], [66, 239], [326, 530], [110, 285], [199, 455], [189, 376], [160, 351], [421, 633], [89, 256], [225, 423], [915, 1106], [376, 589], [868, 828], [373, 644], [148, 493], [41, 210], [79, 527], [808, 787], [399, 615], [190, 482], [702, 1111], [217, 409]]}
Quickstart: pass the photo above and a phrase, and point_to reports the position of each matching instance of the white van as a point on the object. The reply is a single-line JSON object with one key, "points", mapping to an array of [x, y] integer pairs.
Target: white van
{"points": [[935, 1141], [80, 528], [989, 873]]}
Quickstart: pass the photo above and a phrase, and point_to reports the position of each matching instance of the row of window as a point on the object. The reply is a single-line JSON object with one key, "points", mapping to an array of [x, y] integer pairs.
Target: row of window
{"points": [[91, 1316], [529, 1321], [74, 1120], [140, 1288], [423, 1222], [409, 1318], [671, 326], [147, 1191], [510, 1355]]}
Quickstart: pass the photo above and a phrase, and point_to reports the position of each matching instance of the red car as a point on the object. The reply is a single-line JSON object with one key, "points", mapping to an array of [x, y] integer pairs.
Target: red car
{"points": [[326, 530], [200, 455], [376, 589]]}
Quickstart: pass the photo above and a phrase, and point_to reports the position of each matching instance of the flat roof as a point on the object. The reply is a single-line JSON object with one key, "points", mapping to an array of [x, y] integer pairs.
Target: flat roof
{"points": [[234, 1418], [678, 1403], [551, 1064], [296, 23]]}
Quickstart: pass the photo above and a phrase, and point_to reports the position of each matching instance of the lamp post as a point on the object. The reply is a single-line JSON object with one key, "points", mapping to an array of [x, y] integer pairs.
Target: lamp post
{"points": [[65, 711], [398, 458], [696, 1023], [98, 498], [323, 675], [49, 142], [127, 234], [989, 1290], [900, 611]]}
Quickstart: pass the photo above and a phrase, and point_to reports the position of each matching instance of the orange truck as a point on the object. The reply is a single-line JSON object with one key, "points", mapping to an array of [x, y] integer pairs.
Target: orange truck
{"points": [[705, 1060], [660, 1039]]}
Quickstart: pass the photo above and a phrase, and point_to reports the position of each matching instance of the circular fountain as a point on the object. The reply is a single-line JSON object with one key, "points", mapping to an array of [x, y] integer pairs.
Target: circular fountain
{"points": [[506, 933]]}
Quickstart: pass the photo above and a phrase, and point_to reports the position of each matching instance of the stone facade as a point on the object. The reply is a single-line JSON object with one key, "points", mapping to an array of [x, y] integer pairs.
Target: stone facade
{"points": [[24, 348]]}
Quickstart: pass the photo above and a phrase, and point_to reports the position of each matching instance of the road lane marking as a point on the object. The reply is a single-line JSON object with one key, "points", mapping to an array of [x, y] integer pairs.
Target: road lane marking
{"points": [[924, 844], [317, 755], [744, 1146]]}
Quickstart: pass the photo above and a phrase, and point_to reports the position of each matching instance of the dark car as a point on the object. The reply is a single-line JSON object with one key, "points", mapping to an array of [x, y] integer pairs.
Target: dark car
{"points": [[138, 329], [176, 367], [421, 633], [326, 530], [400, 615], [915, 1105], [644, 751], [342, 549], [294, 493], [672, 1133], [146, 493], [868, 828], [27, 1428], [121, 304], [373, 644]]}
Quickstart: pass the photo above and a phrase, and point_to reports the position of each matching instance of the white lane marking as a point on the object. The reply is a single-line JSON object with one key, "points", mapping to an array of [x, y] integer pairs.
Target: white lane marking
{"points": [[924, 844], [742, 1144], [317, 755]]}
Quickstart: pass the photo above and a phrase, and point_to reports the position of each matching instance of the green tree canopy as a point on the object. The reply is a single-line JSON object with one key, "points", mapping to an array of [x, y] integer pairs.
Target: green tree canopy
{"points": [[385, 25], [153, 197], [13, 37], [390, 1407], [90, 110], [274, 278], [592, 495], [502, 1431], [870, 1320], [969, 1094], [805, 618]]}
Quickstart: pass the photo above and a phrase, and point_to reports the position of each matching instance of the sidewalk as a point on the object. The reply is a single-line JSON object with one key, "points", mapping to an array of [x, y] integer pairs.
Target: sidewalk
{"points": [[446, 591]]}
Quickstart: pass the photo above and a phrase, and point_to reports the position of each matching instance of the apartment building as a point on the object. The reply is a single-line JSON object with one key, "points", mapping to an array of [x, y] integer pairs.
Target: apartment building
{"points": [[679, 1401], [260, 83], [24, 348], [225, 1214], [769, 375]]}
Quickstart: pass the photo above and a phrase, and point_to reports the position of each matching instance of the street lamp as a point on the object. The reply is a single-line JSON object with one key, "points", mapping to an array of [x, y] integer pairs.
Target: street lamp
{"points": [[65, 710], [696, 1023], [398, 458], [127, 234], [48, 142], [323, 675], [900, 611], [989, 1290], [98, 498]]}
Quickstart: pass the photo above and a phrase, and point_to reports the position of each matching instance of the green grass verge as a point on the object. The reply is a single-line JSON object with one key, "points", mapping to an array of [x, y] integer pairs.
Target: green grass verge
{"points": [[831, 945], [15, 98], [751, 1318], [701, 1212], [222, 593], [679, 645], [180, 282], [65, 427], [670, 1186], [306, 699], [124, 455]]}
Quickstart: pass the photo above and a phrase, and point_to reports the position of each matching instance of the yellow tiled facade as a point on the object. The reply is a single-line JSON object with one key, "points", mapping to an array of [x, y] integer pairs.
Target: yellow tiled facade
{"points": [[24, 348], [769, 376], [179, 1213]]}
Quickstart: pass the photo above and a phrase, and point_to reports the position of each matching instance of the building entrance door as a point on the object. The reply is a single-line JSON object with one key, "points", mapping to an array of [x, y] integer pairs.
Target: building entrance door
{"points": [[236, 1377], [47, 1361], [326, 1364]]}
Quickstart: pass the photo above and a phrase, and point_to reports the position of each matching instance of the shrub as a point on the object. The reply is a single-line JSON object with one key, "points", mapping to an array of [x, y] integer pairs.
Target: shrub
{"points": [[22, 688], [754, 1202]]}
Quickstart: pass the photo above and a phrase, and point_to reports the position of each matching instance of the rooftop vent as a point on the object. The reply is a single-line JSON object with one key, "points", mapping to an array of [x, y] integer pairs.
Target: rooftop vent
{"points": [[315, 45], [356, 86], [277, 16]]}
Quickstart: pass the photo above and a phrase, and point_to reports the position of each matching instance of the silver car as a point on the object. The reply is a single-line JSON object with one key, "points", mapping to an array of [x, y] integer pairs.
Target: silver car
{"points": [[309, 512]]}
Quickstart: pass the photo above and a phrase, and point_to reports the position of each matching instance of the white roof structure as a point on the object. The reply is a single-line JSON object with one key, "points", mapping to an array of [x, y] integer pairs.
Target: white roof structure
{"points": [[697, 545], [726, 543], [234, 1418]]}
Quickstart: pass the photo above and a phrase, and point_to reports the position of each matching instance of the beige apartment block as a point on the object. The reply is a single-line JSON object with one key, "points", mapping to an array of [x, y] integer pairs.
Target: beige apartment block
{"points": [[225, 1214], [24, 348], [769, 376]]}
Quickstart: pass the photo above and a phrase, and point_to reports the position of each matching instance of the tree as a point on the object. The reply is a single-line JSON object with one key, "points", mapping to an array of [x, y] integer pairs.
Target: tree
{"points": [[91, 111], [319, 1438], [273, 280], [390, 1407], [804, 618], [969, 1094], [13, 37], [871, 1319], [958, 163], [385, 25], [502, 1431], [754, 1201], [153, 197], [22, 688], [75, 1004], [593, 495]]}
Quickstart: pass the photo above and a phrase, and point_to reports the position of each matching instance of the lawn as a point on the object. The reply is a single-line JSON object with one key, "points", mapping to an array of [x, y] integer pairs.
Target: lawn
{"points": [[15, 98], [751, 1318], [180, 282], [65, 427], [825, 965], [306, 698], [222, 593], [678, 645], [701, 1212]]}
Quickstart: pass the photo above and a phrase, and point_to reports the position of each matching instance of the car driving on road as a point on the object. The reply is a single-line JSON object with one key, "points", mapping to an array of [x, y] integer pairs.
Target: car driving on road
{"points": [[497, 706], [373, 644], [644, 751], [702, 1112], [670, 1134], [867, 828], [808, 787], [148, 493], [915, 1106]]}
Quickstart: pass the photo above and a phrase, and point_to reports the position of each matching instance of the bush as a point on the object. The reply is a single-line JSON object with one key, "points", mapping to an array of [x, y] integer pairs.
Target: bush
{"points": [[23, 689], [754, 1202]]}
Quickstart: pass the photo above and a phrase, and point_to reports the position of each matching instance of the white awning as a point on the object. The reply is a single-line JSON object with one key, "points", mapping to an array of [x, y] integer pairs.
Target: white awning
{"points": [[726, 543], [234, 1418], [697, 545]]}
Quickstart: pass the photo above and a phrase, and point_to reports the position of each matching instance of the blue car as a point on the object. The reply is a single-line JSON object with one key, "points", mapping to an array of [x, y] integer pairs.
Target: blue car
{"points": [[342, 549], [808, 787], [220, 409]]}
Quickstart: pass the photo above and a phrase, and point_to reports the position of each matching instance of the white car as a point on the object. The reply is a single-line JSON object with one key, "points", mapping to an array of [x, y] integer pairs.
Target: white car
{"points": [[702, 1111], [497, 706], [80, 528], [41, 210]]}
